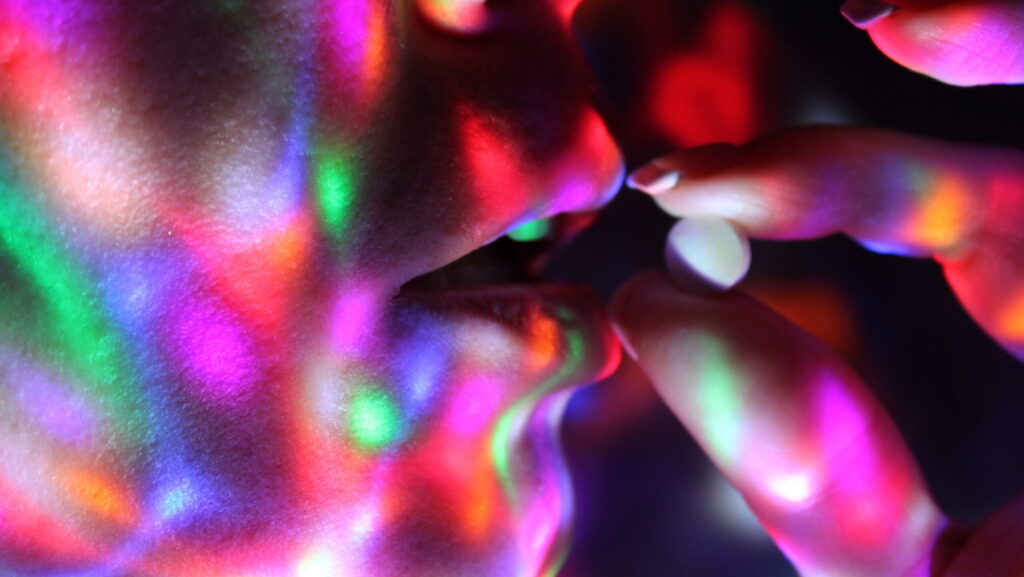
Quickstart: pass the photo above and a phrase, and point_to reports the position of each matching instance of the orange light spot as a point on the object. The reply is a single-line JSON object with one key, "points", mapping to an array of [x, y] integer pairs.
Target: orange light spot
{"points": [[941, 219], [542, 347], [100, 496], [481, 495], [1011, 321]]}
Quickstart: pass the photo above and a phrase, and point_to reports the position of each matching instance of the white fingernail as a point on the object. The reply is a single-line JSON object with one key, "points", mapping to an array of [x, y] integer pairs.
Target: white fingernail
{"points": [[653, 179], [706, 254]]}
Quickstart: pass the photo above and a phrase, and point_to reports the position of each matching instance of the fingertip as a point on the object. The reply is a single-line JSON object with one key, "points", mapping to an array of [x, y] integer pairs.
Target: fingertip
{"points": [[628, 302]]}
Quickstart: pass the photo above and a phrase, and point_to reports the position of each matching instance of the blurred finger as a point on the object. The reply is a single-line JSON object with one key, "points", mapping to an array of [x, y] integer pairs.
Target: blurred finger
{"points": [[813, 453]]}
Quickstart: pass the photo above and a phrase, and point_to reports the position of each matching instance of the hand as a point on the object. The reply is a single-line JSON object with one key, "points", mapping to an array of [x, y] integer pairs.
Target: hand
{"points": [[812, 452], [962, 205]]}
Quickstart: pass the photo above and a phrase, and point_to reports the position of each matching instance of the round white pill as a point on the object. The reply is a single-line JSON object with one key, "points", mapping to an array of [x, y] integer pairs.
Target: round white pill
{"points": [[706, 254]]}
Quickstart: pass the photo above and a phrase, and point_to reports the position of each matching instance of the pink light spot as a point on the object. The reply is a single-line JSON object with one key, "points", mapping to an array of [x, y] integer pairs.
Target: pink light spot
{"points": [[213, 351], [473, 406], [354, 315]]}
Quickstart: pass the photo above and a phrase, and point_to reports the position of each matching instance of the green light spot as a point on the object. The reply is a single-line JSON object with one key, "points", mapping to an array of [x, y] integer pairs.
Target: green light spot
{"points": [[335, 191], [531, 231], [66, 310], [505, 433], [719, 398], [373, 418]]}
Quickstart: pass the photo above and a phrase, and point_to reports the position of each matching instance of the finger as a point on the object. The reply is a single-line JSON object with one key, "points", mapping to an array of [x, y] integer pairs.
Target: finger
{"points": [[892, 192], [965, 43], [811, 451], [883, 187]]}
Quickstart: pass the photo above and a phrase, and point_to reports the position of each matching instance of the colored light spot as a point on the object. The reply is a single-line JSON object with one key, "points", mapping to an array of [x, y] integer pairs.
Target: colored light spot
{"points": [[473, 406], [335, 191], [373, 418], [719, 398], [354, 314], [99, 496], [177, 500], [214, 351], [543, 342], [942, 216], [794, 487], [456, 15], [73, 316], [531, 231], [1011, 323], [318, 563]]}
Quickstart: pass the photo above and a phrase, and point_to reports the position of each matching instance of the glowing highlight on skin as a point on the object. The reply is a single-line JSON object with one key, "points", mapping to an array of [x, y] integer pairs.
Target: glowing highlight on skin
{"points": [[76, 326], [720, 397], [373, 418], [335, 191], [456, 15], [940, 218], [245, 282], [214, 352], [100, 496], [531, 231], [1012, 320]]}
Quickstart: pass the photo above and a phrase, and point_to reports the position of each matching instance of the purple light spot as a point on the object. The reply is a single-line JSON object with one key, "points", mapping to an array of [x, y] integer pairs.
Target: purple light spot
{"points": [[353, 316], [213, 351], [474, 405], [63, 414]]}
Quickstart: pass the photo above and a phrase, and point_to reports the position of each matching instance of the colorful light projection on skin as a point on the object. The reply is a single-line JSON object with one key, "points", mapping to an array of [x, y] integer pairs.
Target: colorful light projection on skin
{"points": [[459, 16], [814, 455], [72, 328], [335, 191], [893, 193], [531, 231], [374, 420], [208, 364]]}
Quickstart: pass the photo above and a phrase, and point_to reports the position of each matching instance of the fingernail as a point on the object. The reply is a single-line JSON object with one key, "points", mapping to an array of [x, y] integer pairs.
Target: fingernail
{"points": [[624, 340], [653, 179], [865, 13]]}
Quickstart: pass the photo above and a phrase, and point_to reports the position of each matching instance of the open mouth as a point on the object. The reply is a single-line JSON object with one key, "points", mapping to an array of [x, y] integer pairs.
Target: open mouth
{"points": [[533, 341], [517, 258]]}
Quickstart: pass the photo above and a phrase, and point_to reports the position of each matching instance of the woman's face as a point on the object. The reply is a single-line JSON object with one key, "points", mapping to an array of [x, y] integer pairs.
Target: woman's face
{"points": [[210, 361]]}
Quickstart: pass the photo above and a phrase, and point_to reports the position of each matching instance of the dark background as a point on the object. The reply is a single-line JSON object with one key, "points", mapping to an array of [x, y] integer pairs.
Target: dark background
{"points": [[648, 502]]}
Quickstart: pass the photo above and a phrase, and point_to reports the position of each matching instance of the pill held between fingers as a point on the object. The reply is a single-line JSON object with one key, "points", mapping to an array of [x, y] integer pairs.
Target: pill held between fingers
{"points": [[706, 255]]}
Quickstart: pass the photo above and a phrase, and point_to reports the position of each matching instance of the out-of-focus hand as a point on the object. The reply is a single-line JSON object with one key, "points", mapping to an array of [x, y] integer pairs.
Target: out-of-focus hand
{"points": [[964, 42], [812, 452]]}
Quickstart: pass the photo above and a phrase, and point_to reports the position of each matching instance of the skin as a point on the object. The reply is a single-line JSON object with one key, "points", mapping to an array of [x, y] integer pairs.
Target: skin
{"points": [[208, 364], [788, 423]]}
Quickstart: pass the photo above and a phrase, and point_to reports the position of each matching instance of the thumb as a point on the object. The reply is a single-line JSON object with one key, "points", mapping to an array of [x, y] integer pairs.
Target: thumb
{"points": [[790, 426]]}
